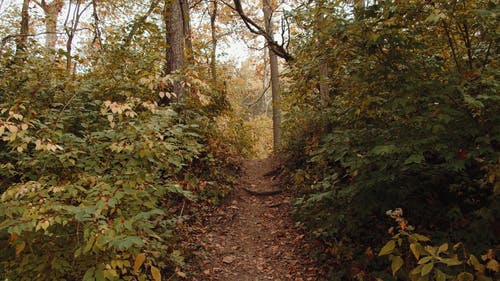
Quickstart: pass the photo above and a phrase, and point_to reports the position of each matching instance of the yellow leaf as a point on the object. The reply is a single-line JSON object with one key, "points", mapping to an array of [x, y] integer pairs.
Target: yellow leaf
{"points": [[492, 265], [110, 274], [155, 272], [415, 250], [139, 260], [443, 248], [388, 248], [19, 248], [426, 269], [180, 273], [42, 225], [397, 263]]}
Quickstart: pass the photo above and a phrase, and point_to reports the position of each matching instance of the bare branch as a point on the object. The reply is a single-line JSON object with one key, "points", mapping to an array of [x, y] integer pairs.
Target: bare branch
{"points": [[254, 28]]}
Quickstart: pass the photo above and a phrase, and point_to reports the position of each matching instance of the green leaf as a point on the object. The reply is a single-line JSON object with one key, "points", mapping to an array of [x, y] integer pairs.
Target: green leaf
{"points": [[420, 237], [99, 274], [384, 149], [424, 260], [415, 249], [414, 159], [388, 248], [89, 274], [443, 248], [426, 269], [397, 263], [439, 275], [451, 261]]}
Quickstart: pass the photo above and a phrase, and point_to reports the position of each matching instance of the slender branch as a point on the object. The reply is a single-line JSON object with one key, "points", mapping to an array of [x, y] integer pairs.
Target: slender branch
{"points": [[261, 96], [452, 47], [140, 22], [487, 55], [254, 28], [8, 37]]}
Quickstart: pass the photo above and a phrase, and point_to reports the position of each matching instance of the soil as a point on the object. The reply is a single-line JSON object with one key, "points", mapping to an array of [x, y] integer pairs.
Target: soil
{"points": [[253, 237]]}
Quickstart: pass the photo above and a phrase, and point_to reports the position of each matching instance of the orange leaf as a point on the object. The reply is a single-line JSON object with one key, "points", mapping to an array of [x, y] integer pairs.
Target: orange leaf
{"points": [[139, 260], [155, 272]]}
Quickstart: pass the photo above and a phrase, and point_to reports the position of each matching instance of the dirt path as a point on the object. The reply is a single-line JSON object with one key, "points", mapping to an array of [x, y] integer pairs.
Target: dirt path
{"points": [[252, 238]]}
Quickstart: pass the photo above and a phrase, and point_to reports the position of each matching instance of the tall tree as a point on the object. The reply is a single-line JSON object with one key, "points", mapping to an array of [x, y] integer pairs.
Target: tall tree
{"points": [[186, 25], [51, 11], [275, 83], [213, 50], [24, 29], [174, 24], [279, 49]]}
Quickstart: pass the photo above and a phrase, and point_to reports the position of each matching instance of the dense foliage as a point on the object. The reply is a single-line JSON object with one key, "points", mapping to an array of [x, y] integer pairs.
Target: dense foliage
{"points": [[96, 166], [410, 121]]}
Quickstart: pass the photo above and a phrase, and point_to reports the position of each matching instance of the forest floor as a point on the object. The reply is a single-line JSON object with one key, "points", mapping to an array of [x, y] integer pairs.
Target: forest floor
{"points": [[252, 237]]}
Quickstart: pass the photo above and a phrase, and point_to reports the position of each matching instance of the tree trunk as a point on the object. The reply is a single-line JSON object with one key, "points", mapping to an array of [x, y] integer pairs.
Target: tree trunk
{"points": [[275, 87], [323, 67], [213, 51], [24, 30], [51, 11], [186, 24], [174, 23], [324, 87]]}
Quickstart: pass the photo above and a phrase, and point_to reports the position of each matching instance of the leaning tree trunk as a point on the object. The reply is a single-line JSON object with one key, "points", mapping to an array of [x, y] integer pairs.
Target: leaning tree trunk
{"points": [[275, 86], [174, 23]]}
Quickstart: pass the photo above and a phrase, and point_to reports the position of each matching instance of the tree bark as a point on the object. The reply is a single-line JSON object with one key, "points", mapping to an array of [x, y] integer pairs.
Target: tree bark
{"points": [[24, 30], [275, 86], [174, 23], [213, 51], [51, 11], [186, 24], [278, 49]]}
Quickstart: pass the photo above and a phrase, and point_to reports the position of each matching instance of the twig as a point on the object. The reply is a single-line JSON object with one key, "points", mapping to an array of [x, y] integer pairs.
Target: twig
{"points": [[263, 193]]}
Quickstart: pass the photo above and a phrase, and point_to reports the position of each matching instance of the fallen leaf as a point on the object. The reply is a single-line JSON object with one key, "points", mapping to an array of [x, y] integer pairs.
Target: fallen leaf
{"points": [[228, 259]]}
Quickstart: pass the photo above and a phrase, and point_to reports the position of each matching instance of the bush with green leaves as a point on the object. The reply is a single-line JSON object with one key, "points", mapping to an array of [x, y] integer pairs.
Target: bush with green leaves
{"points": [[93, 170], [411, 119]]}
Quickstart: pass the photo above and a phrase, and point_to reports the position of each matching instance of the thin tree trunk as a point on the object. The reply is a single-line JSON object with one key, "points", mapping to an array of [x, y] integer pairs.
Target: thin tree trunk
{"points": [[70, 32], [174, 23], [24, 30], [213, 51], [275, 87], [97, 30], [323, 68], [324, 87], [265, 84]]}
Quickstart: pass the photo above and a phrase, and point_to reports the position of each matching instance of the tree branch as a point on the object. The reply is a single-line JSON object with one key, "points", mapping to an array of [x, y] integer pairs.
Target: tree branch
{"points": [[254, 28], [139, 22]]}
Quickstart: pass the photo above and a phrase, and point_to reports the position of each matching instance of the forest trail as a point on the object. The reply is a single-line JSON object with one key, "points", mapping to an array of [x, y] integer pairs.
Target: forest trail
{"points": [[252, 237]]}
